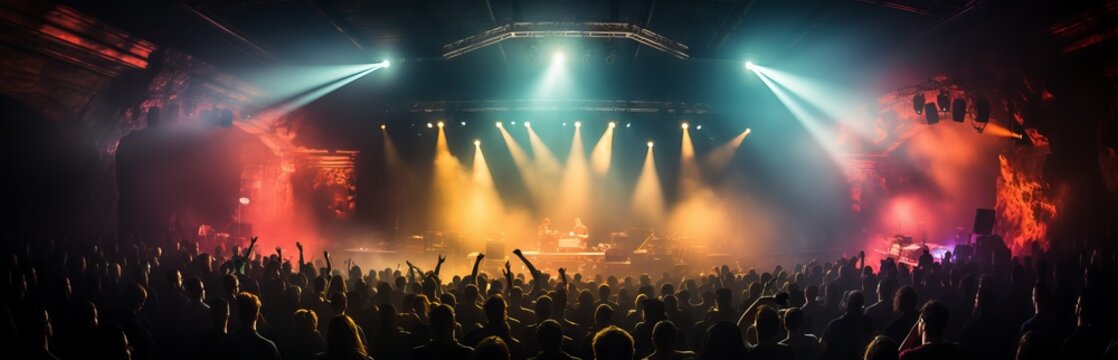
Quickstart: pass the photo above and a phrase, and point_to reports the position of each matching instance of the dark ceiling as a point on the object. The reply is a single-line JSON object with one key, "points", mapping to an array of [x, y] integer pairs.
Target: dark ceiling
{"points": [[267, 32], [861, 37]]}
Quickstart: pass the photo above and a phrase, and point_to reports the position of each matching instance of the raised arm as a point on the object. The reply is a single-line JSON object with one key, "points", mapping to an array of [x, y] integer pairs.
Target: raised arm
{"points": [[565, 281], [251, 245], [329, 265], [537, 277], [508, 277], [439, 265], [473, 273], [302, 262]]}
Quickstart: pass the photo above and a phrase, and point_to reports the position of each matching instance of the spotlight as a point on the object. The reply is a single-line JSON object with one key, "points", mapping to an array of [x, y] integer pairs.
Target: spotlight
{"points": [[628, 124], [700, 127], [959, 110], [981, 110], [564, 124], [684, 126], [383, 126], [558, 58], [462, 123], [441, 124], [430, 125], [930, 113], [244, 200], [385, 63], [578, 124], [650, 144], [477, 142], [748, 130], [527, 124], [612, 124], [500, 125], [918, 103], [749, 65]]}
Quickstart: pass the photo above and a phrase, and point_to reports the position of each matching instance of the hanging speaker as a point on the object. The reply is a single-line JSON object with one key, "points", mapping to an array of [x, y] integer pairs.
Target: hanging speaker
{"points": [[943, 100], [931, 113], [959, 110], [981, 110], [918, 104]]}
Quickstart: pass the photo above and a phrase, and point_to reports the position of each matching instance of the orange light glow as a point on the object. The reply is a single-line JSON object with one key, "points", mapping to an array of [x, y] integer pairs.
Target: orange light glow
{"points": [[717, 159], [690, 178], [603, 151], [575, 185], [995, 129], [648, 197], [1024, 210]]}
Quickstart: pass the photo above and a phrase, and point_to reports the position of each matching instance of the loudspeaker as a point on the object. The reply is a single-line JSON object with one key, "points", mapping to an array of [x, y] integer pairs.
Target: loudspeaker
{"points": [[984, 221], [981, 110], [918, 103], [931, 113], [959, 110]]}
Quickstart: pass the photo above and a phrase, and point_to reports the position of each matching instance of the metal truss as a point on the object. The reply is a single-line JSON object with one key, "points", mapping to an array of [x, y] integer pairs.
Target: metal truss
{"points": [[618, 30], [627, 106]]}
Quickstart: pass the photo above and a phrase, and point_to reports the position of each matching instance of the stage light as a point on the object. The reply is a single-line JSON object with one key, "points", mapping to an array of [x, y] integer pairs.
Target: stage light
{"points": [[612, 124], [944, 101], [462, 123], [748, 130], [243, 200], [441, 124], [918, 104], [383, 126], [749, 65], [578, 124], [700, 127], [650, 144], [684, 126], [564, 124], [430, 125], [628, 124], [527, 124], [477, 142], [500, 125], [558, 58], [513, 123], [385, 63]]}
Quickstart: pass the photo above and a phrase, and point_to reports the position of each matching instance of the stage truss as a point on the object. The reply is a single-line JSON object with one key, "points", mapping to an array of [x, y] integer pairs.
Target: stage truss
{"points": [[608, 30]]}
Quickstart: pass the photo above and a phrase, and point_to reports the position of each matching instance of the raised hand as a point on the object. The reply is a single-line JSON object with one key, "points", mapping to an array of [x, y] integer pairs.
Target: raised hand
{"points": [[442, 259], [480, 256], [517, 252], [279, 251], [508, 268], [299, 245], [253, 240]]}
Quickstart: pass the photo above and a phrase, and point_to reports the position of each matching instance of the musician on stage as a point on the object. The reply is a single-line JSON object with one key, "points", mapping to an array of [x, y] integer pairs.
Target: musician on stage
{"points": [[544, 227], [580, 229], [581, 232]]}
